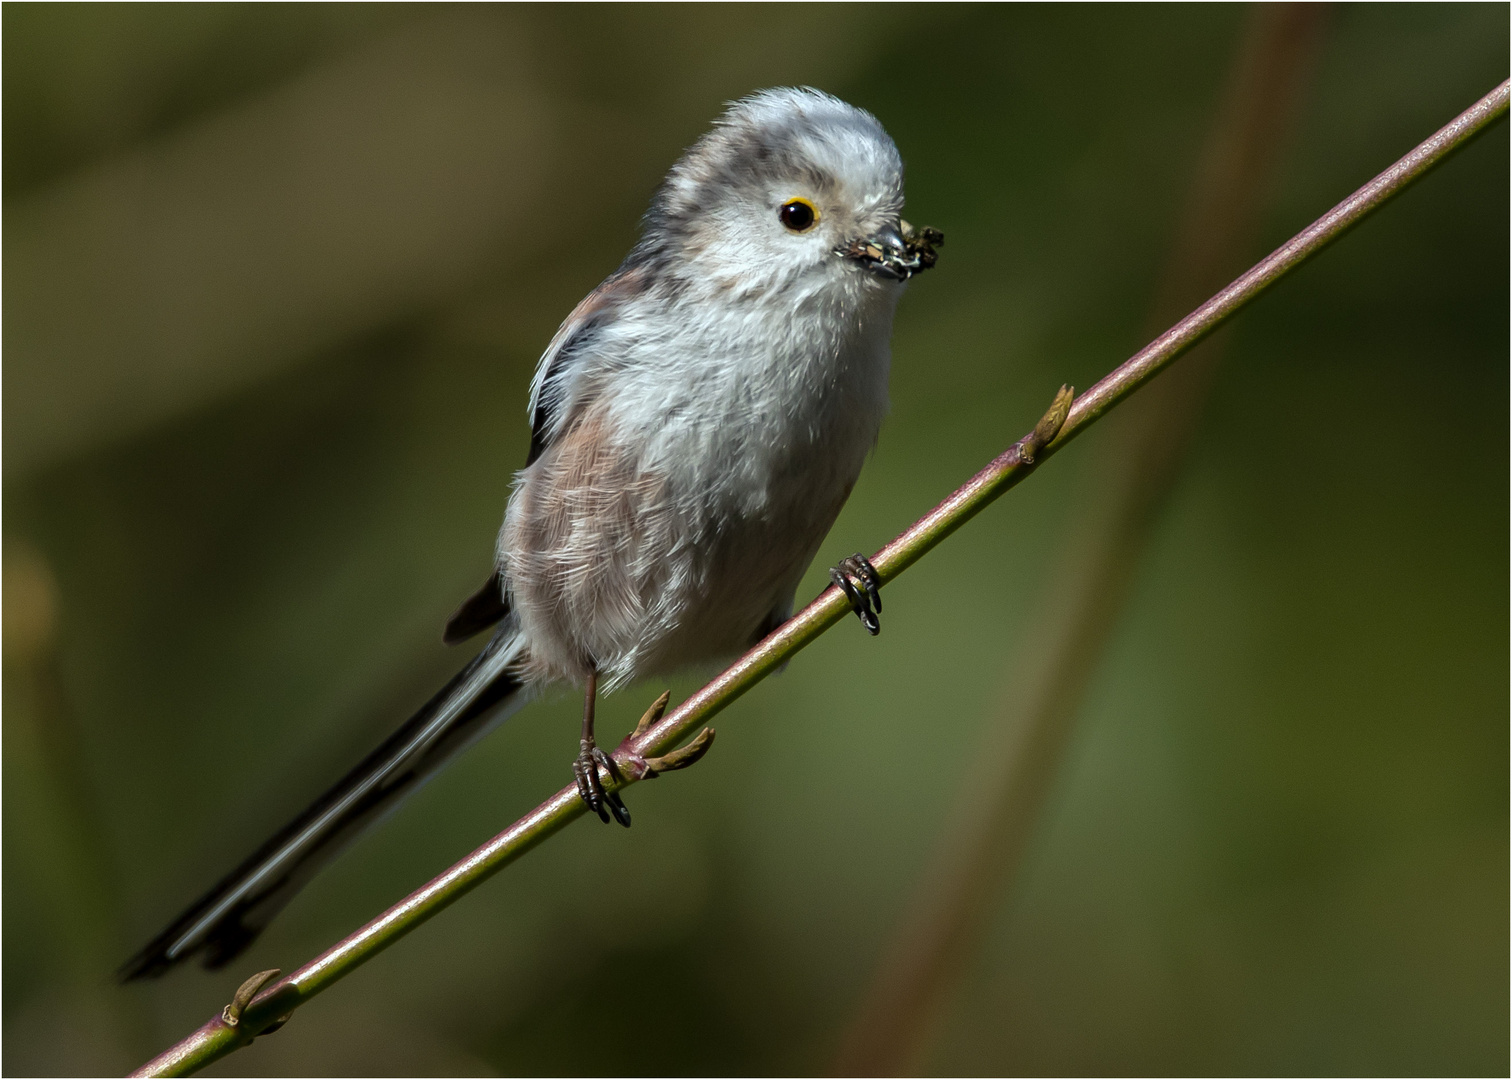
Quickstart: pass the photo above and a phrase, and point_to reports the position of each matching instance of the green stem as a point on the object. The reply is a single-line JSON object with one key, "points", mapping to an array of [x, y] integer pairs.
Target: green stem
{"points": [[217, 1038]]}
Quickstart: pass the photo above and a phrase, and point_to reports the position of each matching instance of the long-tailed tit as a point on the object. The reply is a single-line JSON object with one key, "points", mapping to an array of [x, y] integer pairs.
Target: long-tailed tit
{"points": [[697, 423]]}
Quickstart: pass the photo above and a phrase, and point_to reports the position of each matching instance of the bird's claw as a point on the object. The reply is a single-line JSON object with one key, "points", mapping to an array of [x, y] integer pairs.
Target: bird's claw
{"points": [[858, 580], [605, 803], [594, 769]]}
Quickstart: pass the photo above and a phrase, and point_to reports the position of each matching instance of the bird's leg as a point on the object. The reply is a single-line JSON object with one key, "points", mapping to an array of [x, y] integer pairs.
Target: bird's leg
{"points": [[590, 758], [858, 580]]}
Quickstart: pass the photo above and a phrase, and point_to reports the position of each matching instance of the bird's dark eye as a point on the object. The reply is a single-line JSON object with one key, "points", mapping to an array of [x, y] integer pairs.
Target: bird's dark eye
{"points": [[798, 214]]}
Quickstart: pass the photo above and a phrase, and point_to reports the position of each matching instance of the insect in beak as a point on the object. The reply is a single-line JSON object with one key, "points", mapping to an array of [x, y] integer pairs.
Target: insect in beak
{"points": [[896, 252]]}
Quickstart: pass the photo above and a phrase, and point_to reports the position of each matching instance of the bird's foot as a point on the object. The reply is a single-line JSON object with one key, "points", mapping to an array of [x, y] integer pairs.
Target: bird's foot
{"points": [[590, 785], [858, 580], [594, 768]]}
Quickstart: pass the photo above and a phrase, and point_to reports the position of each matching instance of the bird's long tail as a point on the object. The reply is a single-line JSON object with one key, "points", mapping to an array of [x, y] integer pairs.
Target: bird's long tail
{"points": [[226, 919]]}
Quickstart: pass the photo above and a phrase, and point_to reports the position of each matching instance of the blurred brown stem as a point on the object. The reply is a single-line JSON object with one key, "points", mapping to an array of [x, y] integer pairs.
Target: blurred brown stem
{"points": [[61, 852], [1021, 755]]}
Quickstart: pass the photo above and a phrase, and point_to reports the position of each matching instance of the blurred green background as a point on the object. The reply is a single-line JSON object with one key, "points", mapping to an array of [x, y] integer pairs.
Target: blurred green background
{"points": [[276, 278]]}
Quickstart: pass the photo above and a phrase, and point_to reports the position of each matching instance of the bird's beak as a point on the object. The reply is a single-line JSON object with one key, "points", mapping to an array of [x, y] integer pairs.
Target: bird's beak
{"points": [[895, 251]]}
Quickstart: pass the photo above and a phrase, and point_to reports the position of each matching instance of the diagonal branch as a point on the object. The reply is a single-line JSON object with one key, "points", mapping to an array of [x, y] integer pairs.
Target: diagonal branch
{"points": [[217, 1038]]}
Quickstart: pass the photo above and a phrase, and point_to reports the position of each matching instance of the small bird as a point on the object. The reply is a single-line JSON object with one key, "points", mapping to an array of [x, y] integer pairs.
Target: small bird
{"points": [[697, 423]]}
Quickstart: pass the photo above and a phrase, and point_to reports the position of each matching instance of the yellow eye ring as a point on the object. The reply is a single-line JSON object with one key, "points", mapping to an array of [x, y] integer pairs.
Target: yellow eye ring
{"points": [[798, 214]]}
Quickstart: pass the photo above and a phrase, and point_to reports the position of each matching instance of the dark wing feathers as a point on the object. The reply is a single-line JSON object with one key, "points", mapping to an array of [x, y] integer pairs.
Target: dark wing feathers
{"points": [[478, 612]]}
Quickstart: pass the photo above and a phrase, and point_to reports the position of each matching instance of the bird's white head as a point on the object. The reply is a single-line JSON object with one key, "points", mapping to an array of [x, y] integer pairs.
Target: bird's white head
{"points": [[790, 184]]}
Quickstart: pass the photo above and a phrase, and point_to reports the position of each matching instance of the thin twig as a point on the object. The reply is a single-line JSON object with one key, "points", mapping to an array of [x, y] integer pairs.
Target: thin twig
{"points": [[983, 842], [216, 1039]]}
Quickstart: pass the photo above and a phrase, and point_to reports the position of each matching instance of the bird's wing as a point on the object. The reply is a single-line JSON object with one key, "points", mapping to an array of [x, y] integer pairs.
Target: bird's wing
{"points": [[478, 612], [551, 389], [550, 394]]}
